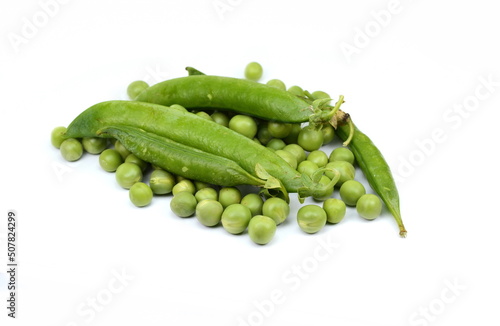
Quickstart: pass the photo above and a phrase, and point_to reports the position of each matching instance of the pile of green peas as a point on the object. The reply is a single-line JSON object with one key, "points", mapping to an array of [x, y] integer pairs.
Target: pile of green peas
{"points": [[299, 145]]}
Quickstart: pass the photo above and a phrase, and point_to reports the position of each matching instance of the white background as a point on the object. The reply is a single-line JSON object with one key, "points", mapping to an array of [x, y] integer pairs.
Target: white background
{"points": [[408, 80]]}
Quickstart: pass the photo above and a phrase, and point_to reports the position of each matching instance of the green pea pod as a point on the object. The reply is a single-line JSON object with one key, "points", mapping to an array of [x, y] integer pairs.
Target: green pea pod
{"points": [[195, 132], [199, 91], [375, 168], [193, 72]]}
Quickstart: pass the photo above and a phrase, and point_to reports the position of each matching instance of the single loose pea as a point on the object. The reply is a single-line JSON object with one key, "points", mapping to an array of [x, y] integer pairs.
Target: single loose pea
{"points": [[297, 151], [253, 71], [161, 182], [328, 134], [183, 204], [296, 90], [244, 125], [292, 137], [261, 229], [124, 152], [200, 185], [140, 194], [351, 191], [71, 149], [287, 157], [57, 136], [184, 185], [346, 170], [110, 160], [276, 83], [311, 218], [209, 212], [342, 154], [318, 157], [206, 193], [94, 145], [335, 210], [235, 218], [220, 118], [135, 88], [369, 206], [279, 129], [127, 174], [132, 158], [310, 139], [229, 196], [263, 134], [307, 167], [277, 209], [254, 202], [276, 144]]}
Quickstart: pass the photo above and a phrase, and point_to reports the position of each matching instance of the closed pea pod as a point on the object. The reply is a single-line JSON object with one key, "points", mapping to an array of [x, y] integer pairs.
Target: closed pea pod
{"points": [[375, 168]]}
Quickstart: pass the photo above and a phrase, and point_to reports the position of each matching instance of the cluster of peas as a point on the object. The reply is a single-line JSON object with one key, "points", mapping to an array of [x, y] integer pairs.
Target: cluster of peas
{"points": [[298, 146]]}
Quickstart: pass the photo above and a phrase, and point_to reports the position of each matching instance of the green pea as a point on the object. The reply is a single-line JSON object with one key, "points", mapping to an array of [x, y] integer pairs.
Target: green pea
{"points": [[293, 136], [297, 151], [351, 191], [261, 229], [206, 193], [328, 134], [263, 134], [307, 167], [57, 136], [296, 90], [110, 160], [342, 154], [127, 174], [71, 149], [131, 158], [209, 212], [323, 194], [204, 115], [318, 157], [346, 170], [287, 157], [220, 118], [277, 209], [244, 125], [369, 206], [124, 152], [335, 210], [229, 196], [161, 182], [183, 204], [276, 83], [253, 71], [94, 145], [235, 218], [200, 185], [184, 185], [135, 88], [320, 95], [311, 218], [276, 144], [310, 139], [140, 194], [279, 129], [254, 202]]}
